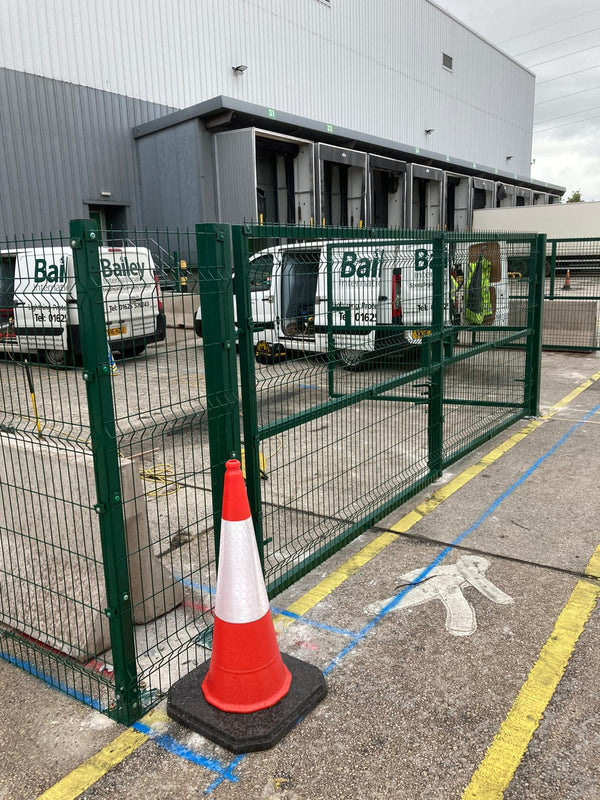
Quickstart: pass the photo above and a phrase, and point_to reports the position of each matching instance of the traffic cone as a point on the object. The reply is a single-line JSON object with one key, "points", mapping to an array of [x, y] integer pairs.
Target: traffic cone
{"points": [[567, 285], [246, 670], [249, 695]]}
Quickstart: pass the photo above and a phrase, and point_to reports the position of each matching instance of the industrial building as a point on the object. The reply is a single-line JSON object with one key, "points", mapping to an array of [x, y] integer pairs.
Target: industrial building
{"points": [[167, 113]]}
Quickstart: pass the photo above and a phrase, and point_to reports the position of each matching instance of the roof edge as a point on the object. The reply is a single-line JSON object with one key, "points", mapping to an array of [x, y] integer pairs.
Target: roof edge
{"points": [[276, 120]]}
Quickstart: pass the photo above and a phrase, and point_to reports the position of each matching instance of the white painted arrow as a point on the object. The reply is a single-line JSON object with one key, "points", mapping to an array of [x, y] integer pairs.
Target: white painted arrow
{"points": [[446, 584]]}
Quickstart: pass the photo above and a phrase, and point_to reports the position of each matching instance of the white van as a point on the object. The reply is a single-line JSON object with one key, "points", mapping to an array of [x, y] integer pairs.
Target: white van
{"points": [[38, 306], [383, 283]]}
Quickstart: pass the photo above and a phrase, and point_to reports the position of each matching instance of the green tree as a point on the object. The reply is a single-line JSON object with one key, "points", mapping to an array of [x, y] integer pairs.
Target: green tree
{"points": [[575, 197]]}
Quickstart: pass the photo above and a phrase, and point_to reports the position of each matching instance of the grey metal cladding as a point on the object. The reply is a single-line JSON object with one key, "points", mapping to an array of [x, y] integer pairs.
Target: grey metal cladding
{"points": [[171, 177], [235, 164], [62, 145]]}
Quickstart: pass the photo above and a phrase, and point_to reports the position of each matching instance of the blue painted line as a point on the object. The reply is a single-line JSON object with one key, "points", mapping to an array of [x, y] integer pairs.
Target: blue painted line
{"points": [[53, 682], [308, 386], [395, 600], [169, 744], [199, 587], [227, 774], [313, 623]]}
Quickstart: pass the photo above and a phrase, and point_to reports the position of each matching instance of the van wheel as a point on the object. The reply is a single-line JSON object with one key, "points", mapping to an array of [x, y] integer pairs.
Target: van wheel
{"points": [[352, 360], [56, 358]]}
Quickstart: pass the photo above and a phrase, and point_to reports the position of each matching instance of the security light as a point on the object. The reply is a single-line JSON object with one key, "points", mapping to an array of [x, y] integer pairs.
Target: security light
{"points": [[240, 69], [508, 158], [429, 130]]}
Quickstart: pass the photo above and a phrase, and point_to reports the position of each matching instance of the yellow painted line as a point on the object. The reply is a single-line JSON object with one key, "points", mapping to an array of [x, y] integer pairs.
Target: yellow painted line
{"points": [[332, 581], [495, 772], [88, 773], [350, 567]]}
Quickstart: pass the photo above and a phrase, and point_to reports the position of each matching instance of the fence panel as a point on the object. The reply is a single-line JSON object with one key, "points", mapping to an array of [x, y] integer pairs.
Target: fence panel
{"points": [[364, 373], [107, 533], [572, 295], [369, 360]]}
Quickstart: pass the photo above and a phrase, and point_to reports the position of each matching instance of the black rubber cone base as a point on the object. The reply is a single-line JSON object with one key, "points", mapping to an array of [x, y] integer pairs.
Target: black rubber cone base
{"points": [[246, 733]]}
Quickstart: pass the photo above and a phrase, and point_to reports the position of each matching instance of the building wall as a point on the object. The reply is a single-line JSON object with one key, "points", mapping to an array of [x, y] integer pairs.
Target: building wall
{"points": [[371, 66], [62, 145]]}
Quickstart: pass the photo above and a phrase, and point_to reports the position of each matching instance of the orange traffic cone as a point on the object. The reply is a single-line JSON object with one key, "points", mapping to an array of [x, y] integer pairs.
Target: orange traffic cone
{"points": [[567, 285], [249, 695], [246, 671]]}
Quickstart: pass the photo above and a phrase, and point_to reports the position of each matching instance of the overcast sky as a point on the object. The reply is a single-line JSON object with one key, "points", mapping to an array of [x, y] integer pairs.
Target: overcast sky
{"points": [[566, 140]]}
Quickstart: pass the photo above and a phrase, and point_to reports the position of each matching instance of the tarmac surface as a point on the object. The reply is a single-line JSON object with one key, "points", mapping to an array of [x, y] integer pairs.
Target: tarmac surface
{"points": [[478, 682]]}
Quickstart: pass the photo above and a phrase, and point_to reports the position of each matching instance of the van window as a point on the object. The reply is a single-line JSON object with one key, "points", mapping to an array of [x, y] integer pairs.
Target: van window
{"points": [[7, 286], [261, 270], [299, 276]]}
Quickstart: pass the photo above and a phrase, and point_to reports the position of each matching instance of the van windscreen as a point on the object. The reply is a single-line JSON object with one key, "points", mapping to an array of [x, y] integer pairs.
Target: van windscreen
{"points": [[261, 269]]}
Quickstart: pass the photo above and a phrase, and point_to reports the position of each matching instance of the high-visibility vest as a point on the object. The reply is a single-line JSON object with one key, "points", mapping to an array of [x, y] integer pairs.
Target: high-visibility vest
{"points": [[478, 303], [453, 289]]}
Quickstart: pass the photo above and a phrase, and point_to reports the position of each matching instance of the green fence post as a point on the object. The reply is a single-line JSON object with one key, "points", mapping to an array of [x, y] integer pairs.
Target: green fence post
{"points": [[215, 284], [552, 270], [248, 379], [533, 361], [435, 420], [85, 241]]}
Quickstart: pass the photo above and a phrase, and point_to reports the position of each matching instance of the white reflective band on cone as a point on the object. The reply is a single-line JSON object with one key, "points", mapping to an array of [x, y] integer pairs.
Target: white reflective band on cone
{"points": [[241, 593]]}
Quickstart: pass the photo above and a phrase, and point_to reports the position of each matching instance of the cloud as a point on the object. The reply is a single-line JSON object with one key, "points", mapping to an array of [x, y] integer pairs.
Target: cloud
{"points": [[568, 153]]}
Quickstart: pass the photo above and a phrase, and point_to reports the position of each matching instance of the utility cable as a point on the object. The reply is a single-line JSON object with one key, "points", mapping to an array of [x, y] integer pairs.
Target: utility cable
{"points": [[568, 74], [564, 96], [557, 58], [565, 124], [562, 116], [557, 41], [549, 25]]}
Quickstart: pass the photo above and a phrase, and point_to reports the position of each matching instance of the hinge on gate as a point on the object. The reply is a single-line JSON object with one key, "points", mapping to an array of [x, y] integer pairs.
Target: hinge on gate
{"points": [[90, 375]]}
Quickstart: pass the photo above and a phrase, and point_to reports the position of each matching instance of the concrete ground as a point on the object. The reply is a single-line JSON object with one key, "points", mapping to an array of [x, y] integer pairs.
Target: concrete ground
{"points": [[417, 691]]}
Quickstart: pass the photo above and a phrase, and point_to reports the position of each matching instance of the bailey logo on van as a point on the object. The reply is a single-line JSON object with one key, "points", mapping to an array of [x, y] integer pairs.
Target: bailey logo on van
{"points": [[49, 273], [363, 267], [123, 268]]}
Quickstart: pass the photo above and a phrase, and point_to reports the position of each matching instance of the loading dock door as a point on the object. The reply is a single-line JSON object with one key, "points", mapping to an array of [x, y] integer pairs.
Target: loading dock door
{"points": [[387, 192], [505, 195], [342, 185], [457, 194], [484, 193], [426, 197], [260, 172]]}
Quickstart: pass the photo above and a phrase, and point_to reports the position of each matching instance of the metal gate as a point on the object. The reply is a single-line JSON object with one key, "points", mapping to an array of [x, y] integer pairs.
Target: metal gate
{"points": [[368, 365], [572, 295], [347, 368]]}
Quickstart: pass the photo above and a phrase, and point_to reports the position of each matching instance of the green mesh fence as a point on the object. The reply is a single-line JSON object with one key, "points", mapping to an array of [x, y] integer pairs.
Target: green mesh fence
{"points": [[370, 360], [106, 544], [346, 367], [572, 295]]}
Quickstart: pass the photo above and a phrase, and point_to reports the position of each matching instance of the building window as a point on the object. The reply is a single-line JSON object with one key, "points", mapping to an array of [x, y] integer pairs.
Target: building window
{"points": [[447, 61]]}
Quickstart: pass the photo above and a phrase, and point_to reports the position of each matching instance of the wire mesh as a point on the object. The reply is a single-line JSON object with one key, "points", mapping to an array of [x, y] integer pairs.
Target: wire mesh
{"points": [[379, 357], [572, 295], [369, 360], [56, 609]]}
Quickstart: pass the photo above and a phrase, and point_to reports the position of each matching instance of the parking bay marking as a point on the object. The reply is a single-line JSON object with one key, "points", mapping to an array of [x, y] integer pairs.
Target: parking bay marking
{"points": [[497, 768]]}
